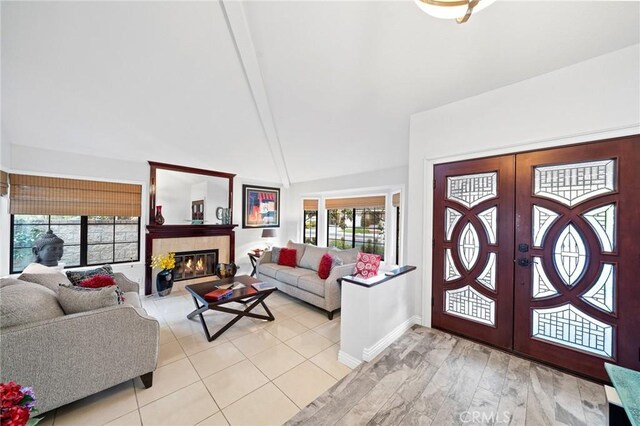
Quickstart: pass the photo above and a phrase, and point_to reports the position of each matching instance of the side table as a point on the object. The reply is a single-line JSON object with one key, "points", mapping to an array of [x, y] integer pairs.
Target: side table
{"points": [[253, 258]]}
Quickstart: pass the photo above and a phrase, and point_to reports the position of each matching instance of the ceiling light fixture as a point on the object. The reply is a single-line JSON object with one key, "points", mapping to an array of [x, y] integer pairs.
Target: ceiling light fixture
{"points": [[460, 10]]}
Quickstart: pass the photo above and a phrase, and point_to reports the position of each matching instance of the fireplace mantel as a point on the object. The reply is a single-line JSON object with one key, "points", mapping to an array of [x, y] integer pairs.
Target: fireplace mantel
{"points": [[182, 231]]}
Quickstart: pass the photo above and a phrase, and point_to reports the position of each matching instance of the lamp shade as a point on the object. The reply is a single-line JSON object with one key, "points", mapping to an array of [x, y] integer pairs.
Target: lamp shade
{"points": [[268, 233]]}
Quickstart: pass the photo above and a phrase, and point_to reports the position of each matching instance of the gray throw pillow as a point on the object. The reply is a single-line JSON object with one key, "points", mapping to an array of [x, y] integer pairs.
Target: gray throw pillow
{"points": [[336, 262], [76, 277], [50, 280], [347, 256], [75, 299], [275, 254], [24, 303]]}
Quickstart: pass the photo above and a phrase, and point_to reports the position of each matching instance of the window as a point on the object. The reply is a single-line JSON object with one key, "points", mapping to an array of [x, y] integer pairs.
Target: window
{"points": [[88, 240], [310, 229], [98, 221], [357, 227]]}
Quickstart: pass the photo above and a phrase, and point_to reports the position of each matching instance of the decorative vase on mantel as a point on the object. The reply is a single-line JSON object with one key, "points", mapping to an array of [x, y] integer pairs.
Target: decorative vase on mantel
{"points": [[164, 282], [159, 219]]}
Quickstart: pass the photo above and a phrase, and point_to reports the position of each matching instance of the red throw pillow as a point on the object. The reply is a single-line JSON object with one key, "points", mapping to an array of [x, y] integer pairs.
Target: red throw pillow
{"points": [[367, 265], [98, 281], [288, 257], [324, 268]]}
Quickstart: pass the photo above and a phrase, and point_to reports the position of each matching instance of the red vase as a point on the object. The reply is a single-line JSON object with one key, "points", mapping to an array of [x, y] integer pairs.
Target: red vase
{"points": [[159, 219]]}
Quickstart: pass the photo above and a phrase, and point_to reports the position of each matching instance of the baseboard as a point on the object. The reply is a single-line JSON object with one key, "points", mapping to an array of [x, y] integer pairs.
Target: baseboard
{"points": [[348, 360], [370, 353]]}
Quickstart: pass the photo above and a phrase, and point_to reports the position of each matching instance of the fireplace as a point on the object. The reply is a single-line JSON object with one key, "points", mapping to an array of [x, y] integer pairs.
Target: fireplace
{"points": [[195, 264]]}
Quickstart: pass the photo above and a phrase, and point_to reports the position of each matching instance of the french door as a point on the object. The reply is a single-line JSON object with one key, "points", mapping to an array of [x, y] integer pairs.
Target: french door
{"points": [[539, 253]]}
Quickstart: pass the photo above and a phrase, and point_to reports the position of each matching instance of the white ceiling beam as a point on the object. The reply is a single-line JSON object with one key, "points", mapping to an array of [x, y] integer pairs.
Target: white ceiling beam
{"points": [[233, 11]]}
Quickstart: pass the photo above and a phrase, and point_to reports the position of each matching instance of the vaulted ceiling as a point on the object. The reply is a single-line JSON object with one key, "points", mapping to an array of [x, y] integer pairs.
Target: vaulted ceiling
{"points": [[284, 91]]}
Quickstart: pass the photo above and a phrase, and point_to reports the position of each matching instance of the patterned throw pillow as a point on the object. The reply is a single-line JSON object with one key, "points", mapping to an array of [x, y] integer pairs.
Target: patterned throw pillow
{"points": [[74, 299], [367, 265], [288, 257], [324, 268], [76, 277], [275, 254]]}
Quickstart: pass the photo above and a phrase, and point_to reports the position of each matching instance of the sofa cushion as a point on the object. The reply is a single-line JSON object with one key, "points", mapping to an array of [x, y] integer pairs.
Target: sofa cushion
{"points": [[270, 269], [312, 256], [6, 282], [23, 303], [347, 256], [324, 269], [76, 277], [75, 299], [288, 257], [275, 254], [290, 275], [50, 280], [299, 247], [313, 284]]}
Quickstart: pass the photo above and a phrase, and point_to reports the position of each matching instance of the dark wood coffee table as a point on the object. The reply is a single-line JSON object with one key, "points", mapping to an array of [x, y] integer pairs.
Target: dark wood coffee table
{"points": [[244, 295]]}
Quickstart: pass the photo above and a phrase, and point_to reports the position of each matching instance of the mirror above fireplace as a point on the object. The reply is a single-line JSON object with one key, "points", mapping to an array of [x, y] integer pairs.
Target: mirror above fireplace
{"points": [[188, 195]]}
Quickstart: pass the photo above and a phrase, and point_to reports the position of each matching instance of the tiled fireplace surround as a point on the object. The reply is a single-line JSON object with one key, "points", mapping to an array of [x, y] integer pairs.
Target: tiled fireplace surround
{"points": [[170, 238]]}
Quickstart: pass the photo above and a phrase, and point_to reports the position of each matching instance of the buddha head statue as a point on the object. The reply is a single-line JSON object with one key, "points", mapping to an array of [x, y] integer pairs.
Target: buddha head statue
{"points": [[48, 248]]}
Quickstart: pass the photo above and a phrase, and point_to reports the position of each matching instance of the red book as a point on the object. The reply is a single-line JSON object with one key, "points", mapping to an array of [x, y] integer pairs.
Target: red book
{"points": [[218, 294]]}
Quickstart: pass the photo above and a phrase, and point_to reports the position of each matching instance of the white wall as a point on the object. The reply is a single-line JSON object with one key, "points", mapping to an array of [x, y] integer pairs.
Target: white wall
{"points": [[591, 100], [251, 238], [382, 182]]}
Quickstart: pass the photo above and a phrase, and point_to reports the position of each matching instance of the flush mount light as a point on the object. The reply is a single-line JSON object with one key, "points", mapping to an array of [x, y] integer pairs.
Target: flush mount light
{"points": [[460, 10]]}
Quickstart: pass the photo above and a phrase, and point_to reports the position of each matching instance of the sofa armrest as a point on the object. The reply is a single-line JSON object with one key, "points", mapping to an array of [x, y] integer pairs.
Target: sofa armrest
{"points": [[125, 283], [73, 356], [332, 288], [265, 258]]}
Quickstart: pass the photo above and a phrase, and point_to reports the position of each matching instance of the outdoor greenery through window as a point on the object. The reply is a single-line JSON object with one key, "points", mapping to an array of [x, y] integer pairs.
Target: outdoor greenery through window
{"points": [[310, 230], [361, 227], [88, 240]]}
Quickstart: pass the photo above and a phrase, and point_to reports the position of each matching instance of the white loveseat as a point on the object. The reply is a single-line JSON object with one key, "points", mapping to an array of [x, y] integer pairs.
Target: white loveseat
{"points": [[303, 282]]}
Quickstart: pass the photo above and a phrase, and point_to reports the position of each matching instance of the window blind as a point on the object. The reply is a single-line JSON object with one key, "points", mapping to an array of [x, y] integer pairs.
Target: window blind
{"points": [[395, 199], [59, 196], [4, 183], [355, 202], [310, 204]]}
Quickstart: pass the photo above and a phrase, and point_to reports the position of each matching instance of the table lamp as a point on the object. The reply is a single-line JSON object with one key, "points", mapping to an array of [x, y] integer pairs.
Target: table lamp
{"points": [[269, 233]]}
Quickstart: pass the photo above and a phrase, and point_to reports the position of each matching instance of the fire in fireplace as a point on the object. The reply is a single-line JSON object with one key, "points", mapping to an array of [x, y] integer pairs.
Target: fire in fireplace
{"points": [[195, 264]]}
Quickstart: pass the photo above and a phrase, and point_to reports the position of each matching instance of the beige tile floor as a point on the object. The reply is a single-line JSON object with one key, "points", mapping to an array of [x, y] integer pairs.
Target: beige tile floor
{"points": [[256, 373]]}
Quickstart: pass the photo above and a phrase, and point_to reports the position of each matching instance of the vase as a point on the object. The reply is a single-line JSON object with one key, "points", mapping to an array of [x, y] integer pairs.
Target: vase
{"points": [[164, 282], [226, 270], [159, 219]]}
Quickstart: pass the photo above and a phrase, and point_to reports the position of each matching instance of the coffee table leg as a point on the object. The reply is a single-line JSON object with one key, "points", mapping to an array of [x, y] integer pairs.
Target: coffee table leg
{"points": [[264, 305], [199, 310]]}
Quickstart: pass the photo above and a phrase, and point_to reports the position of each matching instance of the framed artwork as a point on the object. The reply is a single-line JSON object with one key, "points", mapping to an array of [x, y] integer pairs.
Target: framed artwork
{"points": [[260, 207]]}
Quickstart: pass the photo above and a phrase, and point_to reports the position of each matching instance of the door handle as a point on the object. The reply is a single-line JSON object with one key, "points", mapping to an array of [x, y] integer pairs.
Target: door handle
{"points": [[524, 262]]}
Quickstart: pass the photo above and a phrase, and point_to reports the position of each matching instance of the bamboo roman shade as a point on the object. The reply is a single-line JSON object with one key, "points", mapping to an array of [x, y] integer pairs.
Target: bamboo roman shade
{"points": [[355, 202], [395, 199], [58, 196], [310, 204], [4, 183]]}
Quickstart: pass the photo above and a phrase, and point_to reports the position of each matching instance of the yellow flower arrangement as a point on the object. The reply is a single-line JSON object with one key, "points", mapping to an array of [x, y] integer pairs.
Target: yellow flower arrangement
{"points": [[164, 261]]}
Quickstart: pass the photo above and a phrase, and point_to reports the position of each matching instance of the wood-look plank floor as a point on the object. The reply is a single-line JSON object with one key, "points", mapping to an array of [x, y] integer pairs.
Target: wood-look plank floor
{"points": [[428, 377]]}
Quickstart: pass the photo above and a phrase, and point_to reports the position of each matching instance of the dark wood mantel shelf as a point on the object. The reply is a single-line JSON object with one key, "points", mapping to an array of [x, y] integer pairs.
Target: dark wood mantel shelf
{"points": [[179, 231], [160, 231]]}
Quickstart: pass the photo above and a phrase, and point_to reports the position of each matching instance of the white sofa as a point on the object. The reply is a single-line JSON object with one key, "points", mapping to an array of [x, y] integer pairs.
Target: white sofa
{"points": [[68, 357], [303, 282]]}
